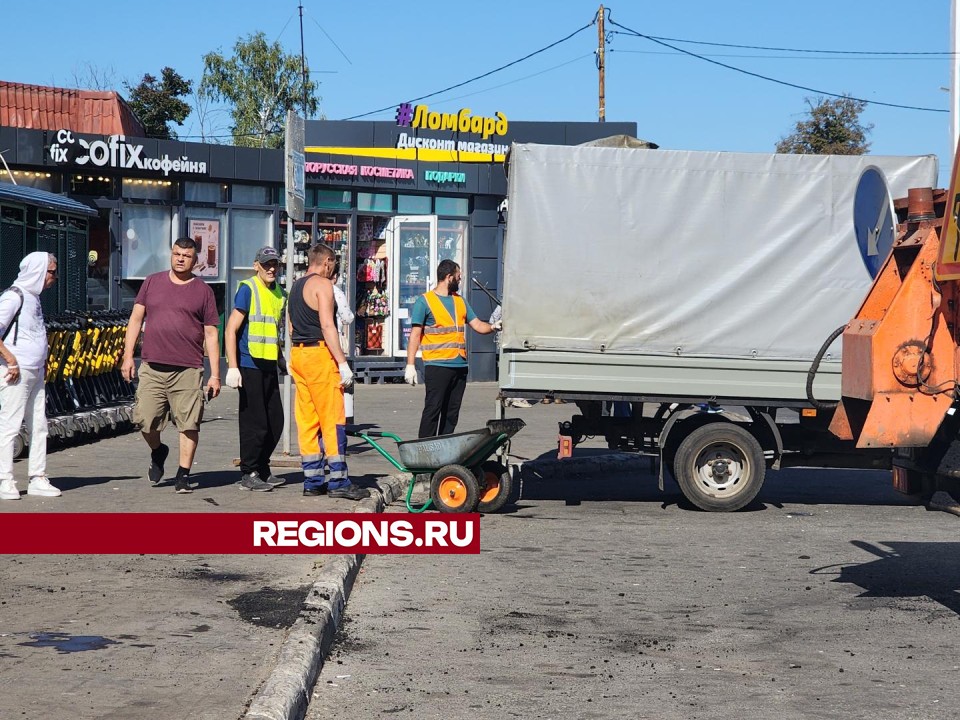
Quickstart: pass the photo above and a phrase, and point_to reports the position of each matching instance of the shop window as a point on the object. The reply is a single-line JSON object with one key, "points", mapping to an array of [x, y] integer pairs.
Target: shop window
{"points": [[29, 178], [205, 192], [250, 231], [451, 240], [414, 204], [128, 293], [139, 189], [452, 206], [98, 262], [147, 237], [93, 185], [251, 195], [375, 202], [333, 199]]}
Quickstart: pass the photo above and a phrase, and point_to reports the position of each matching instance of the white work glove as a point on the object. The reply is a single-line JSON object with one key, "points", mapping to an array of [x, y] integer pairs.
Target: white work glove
{"points": [[410, 375], [234, 379], [497, 326], [346, 375]]}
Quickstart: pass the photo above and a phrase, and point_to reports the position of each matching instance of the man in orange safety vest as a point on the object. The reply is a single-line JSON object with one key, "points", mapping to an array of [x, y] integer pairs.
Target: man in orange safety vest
{"points": [[439, 319]]}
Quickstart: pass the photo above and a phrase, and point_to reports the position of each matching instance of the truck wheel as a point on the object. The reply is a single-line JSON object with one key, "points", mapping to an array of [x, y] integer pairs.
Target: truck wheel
{"points": [[454, 489], [496, 482], [720, 467]]}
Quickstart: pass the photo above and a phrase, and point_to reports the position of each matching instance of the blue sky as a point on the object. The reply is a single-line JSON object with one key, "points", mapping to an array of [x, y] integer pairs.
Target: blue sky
{"points": [[391, 51]]}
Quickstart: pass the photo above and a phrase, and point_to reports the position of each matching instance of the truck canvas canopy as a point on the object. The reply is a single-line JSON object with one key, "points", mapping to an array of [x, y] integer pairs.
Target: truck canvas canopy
{"points": [[691, 254]]}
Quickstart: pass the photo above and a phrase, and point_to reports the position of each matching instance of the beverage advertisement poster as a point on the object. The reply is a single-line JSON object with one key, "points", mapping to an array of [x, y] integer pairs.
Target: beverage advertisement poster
{"points": [[206, 233]]}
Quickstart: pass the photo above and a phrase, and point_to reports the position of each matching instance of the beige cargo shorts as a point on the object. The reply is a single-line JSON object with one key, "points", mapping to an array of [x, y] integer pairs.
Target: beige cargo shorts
{"points": [[168, 391]]}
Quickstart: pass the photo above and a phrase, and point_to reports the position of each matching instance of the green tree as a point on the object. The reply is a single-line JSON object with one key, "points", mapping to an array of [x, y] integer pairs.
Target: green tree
{"points": [[261, 83], [832, 127], [157, 102]]}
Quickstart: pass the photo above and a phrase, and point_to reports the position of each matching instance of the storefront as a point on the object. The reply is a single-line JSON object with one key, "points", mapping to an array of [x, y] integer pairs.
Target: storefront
{"points": [[145, 193], [393, 199]]}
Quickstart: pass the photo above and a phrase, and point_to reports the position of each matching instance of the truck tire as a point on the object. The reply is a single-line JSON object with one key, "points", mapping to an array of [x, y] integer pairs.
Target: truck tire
{"points": [[720, 467]]}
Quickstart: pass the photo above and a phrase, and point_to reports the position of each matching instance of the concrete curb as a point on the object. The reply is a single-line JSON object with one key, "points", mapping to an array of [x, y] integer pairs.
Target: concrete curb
{"points": [[286, 693]]}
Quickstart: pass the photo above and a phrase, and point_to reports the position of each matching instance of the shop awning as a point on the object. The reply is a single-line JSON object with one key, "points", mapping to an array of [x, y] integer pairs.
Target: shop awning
{"points": [[43, 199]]}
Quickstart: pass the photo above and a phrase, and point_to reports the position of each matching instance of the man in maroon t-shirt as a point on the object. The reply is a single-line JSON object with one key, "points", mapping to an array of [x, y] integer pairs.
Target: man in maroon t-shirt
{"points": [[183, 318]]}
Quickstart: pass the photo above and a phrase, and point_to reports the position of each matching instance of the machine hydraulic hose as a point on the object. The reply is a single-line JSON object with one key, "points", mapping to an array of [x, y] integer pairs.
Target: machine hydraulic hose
{"points": [[815, 365]]}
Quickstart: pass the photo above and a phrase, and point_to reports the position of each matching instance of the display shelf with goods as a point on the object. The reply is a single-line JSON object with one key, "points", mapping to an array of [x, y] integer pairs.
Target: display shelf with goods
{"points": [[372, 296], [302, 234], [334, 231], [301, 244], [414, 272]]}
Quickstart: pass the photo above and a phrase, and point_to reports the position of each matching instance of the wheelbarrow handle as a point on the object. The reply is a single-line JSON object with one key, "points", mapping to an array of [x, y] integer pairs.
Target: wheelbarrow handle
{"points": [[368, 437], [372, 433]]}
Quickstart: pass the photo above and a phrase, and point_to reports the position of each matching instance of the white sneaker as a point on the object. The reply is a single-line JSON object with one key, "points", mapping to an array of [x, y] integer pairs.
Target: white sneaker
{"points": [[41, 486], [8, 490], [520, 403]]}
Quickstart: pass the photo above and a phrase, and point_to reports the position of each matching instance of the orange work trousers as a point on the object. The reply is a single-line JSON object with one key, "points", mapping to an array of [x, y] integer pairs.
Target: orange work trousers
{"points": [[320, 417]]}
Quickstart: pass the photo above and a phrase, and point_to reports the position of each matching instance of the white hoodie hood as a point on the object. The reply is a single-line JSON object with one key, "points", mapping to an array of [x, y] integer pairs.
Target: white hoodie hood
{"points": [[30, 345], [33, 273]]}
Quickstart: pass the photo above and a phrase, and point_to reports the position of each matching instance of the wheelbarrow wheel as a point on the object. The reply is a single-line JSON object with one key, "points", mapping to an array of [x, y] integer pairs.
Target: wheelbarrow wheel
{"points": [[496, 483], [454, 489]]}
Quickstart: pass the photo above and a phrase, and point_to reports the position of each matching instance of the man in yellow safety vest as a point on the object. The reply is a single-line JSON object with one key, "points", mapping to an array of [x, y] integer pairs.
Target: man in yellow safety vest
{"points": [[253, 348], [439, 319]]}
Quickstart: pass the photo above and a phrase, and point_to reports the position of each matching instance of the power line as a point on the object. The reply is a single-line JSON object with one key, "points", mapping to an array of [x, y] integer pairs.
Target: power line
{"points": [[283, 29], [332, 41], [770, 79], [779, 57], [798, 50], [478, 77]]}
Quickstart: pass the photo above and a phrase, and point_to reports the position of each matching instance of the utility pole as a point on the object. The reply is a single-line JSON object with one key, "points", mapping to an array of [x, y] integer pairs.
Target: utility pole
{"points": [[602, 115], [303, 64]]}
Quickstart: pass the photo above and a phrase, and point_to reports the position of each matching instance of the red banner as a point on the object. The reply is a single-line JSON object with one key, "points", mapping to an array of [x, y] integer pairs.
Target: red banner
{"points": [[237, 533]]}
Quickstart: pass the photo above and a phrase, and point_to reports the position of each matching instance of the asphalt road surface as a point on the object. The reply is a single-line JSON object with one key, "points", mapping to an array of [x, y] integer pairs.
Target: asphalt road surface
{"points": [[597, 597]]}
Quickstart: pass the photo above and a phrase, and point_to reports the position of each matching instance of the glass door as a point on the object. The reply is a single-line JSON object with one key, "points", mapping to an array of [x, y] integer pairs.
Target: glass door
{"points": [[414, 266]]}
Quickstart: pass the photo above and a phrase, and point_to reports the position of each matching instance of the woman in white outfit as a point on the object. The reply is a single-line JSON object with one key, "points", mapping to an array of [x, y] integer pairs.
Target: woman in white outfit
{"points": [[344, 317], [23, 362]]}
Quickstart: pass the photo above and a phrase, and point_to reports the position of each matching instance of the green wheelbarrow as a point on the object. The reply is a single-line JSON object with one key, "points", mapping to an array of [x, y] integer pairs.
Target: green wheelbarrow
{"points": [[463, 478]]}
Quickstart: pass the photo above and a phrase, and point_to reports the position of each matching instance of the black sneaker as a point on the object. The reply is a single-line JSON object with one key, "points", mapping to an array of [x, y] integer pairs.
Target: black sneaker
{"points": [[350, 492], [157, 458], [272, 480], [253, 482], [182, 484], [314, 492]]}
